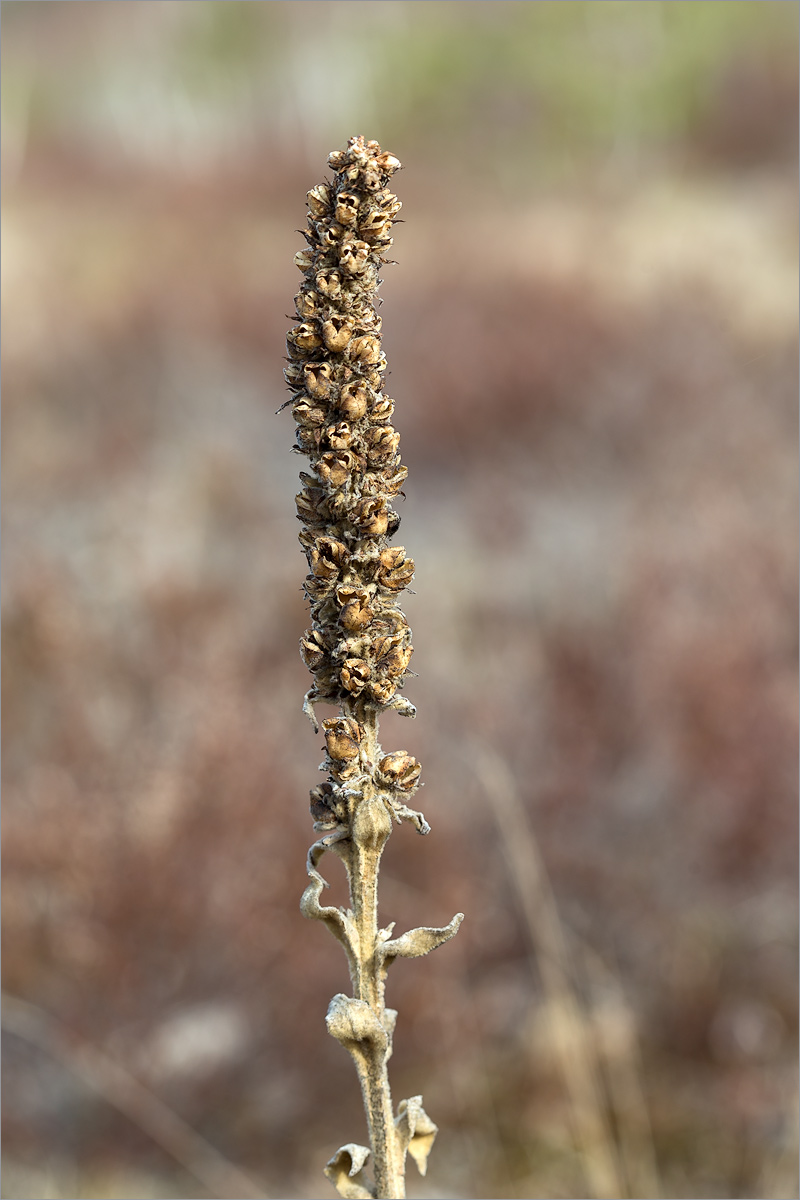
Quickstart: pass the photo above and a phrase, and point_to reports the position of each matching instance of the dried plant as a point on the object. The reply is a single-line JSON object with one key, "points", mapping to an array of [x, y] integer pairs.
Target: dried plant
{"points": [[359, 645]]}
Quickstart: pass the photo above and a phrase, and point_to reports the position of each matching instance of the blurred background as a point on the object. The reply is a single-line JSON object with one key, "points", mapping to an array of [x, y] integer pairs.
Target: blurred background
{"points": [[592, 338]]}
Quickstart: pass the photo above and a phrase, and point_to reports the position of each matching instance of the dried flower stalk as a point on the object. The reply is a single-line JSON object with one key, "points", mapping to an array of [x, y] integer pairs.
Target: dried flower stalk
{"points": [[358, 647]]}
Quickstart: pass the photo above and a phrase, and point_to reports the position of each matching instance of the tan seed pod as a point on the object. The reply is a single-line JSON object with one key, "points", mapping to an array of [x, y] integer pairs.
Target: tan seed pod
{"points": [[316, 378], [329, 284], [355, 674], [307, 438], [304, 259], [336, 333], [353, 257], [335, 467], [323, 803], [293, 374], [373, 377], [343, 736], [305, 337], [340, 436], [368, 321], [316, 588], [382, 410], [319, 199], [382, 443], [346, 208], [355, 616], [305, 412], [306, 304], [382, 690], [366, 349], [312, 649], [399, 770], [388, 163], [388, 203], [311, 506], [370, 516], [395, 571], [328, 557], [393, 483], [353, 401], [374, 223]]}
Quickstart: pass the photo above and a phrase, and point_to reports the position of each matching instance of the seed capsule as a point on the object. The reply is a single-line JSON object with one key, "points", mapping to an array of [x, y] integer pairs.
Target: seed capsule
{"points": [[335, 467], [354, 675], [340, 437], [346, 208], [382, 410], [337, 333], [399, 770], [366, 349], [370, 516], [305, 304], [353, 257], [316, 378], [328, 557], [312, 649], [305, 412], [391, 656], [319, 199], [304, 259], [353, 401], [395, 571], [337, 159], [329, 283], [388, 163], [343, 736], [382, 690], [323, 804], [382, 443], [355, 615]]}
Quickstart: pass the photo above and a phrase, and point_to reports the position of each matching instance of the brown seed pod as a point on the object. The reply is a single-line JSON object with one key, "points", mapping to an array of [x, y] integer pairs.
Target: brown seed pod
{"points": [[319, 199], [340, 436], [335, 467], [353, 400], [382, 690], [337, 332], [328, 557], [306, 412], [370, 516], [343, 736], [391, 655], [346, 208], [399, 770], [304, 259], [355, 674], [317, 378], [366, 349], [395, 571], [382, 443], [355, 615], [323, 805], [329, 284], [306, 304], [353, 257], [312, 649]]}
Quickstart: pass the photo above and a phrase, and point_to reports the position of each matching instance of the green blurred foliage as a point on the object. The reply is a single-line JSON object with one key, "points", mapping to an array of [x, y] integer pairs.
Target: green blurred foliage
{"points": [[563, 82]]}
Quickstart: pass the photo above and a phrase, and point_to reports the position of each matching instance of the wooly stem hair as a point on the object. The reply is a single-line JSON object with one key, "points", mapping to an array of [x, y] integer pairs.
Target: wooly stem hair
{"points": [[358, 647]]}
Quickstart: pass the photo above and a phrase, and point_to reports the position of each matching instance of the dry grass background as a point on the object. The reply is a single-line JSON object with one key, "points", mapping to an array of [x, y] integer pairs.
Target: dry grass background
{"points": [[594, 357]]}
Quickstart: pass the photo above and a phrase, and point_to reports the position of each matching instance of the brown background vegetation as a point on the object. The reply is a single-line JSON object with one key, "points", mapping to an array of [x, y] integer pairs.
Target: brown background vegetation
{"points": [[592, 339]]}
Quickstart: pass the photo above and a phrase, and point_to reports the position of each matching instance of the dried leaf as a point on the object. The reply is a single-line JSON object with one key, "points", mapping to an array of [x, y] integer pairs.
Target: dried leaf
{"points": [[417, 1132], [345, 1171], [417, 942]]}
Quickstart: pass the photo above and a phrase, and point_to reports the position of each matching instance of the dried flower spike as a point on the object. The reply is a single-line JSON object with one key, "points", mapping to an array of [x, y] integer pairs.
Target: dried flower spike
{"points": [[358, 648]]}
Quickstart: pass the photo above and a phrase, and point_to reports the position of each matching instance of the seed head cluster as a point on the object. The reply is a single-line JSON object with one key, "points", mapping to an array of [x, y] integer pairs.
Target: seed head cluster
{"points": [[358, 647]]}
